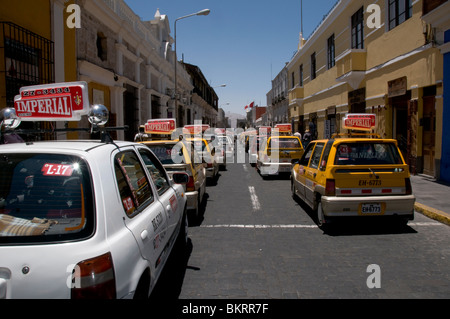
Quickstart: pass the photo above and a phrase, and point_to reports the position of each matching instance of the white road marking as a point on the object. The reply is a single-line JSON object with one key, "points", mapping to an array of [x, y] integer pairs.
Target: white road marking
{"points": [[245, 167], [292, 226], [425, 224], [259, 226], [255, 201]]}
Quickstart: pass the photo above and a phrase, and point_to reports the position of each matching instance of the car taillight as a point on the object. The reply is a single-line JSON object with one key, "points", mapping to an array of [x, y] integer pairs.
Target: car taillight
{"points": [[408, 186], [94, 279], [330, 187], [190, 186]]}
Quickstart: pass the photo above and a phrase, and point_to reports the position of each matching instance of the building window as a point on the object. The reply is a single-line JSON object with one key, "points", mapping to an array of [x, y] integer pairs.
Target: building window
{"points": [[331, 52], [293, 79], [313, 66], [301, 75], [28, 59], [399, 12], [358, 29], [102, 48]]}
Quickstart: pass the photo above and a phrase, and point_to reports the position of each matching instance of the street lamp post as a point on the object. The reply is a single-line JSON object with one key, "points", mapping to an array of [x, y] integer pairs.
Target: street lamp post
{"points": [[203, 12]]}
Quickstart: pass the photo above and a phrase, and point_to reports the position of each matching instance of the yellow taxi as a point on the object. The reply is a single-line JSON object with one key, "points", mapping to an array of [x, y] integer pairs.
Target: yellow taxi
{"points": [[277, 153], [208, 157], [354, 176], [178, 156]]}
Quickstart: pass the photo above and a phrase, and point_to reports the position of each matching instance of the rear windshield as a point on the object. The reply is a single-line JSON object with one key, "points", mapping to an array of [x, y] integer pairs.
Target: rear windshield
{"points": [[168, 153], [44, 197], [284, 143], [367, 153]]}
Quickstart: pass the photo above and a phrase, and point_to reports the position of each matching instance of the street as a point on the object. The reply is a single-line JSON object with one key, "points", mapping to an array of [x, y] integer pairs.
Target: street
{"points": [[255, 241]]}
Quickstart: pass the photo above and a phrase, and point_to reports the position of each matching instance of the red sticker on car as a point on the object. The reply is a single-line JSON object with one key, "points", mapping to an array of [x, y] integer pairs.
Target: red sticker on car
{"points": [[50, 169]]}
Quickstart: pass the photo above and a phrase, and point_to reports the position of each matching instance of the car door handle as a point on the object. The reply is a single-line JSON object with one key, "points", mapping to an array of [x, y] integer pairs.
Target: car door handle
{"points": [[168, 208], [144, 234]]}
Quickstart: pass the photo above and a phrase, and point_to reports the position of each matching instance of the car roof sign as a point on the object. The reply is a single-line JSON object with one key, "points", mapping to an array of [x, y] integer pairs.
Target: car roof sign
{"points": [[160, 126], [66, 101], [362, 122], [195, 128]]}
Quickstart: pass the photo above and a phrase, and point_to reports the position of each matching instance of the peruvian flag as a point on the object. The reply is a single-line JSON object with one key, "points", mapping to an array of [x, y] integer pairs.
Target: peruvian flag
{"points": [[251, 105]]}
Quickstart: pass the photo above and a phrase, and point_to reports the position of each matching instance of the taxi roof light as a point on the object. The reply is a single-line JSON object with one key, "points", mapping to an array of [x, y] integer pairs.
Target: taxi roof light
{"points": [[98, 115], [9, 118]]}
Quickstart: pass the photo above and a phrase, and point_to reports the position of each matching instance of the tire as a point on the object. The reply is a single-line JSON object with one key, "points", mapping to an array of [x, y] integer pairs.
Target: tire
{"points": [[182, 238], [294, 196], [321, 222], [143, 287]]}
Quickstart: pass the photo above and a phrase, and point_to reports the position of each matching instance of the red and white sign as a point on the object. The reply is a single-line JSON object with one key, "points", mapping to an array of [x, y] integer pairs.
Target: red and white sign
{"points": [[363, 122], [57, 170], [160, 126], [283, 127], [195, 129], [53, 102]]}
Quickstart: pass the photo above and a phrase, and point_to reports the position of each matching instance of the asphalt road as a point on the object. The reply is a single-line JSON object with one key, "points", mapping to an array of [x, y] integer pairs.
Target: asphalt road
{"points": [[255, 242]]}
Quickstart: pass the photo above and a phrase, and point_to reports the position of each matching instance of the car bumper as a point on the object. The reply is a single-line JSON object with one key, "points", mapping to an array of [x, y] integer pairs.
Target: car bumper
{"points": [[192, 200], [402, 206], [274, 168]]}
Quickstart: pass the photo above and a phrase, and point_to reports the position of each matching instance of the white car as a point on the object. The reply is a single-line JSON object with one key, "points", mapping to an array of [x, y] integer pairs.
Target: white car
{"points": [[85, 219], [82, 219]]}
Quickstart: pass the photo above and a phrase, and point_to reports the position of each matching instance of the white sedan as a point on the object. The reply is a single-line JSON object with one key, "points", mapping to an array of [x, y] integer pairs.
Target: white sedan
{"points": [[86, 219]]}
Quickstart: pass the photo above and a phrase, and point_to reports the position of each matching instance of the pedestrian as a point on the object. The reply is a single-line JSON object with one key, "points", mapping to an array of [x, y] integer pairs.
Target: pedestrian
{"points": [[298, 135], [306, 138]]}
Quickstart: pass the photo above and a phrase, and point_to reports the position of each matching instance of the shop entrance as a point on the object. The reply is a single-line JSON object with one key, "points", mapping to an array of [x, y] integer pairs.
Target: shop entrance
{"points": [[402, 124], [130, 112], [429, 133]]}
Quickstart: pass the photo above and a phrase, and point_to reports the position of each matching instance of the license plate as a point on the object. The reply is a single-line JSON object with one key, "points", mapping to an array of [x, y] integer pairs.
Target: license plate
{"points": [[371, 209], [369, 182]]}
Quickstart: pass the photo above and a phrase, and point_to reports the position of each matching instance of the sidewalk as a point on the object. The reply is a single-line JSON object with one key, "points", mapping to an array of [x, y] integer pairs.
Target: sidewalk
{"points": [[432, 197]]}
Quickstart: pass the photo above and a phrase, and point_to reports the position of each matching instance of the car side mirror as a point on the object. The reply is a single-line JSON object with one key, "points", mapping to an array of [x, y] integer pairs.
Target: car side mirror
{"points": [[180, 178]]}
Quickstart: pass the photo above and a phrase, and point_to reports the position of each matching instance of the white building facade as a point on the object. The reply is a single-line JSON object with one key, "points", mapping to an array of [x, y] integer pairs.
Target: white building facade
{"points": [[129, 65]]}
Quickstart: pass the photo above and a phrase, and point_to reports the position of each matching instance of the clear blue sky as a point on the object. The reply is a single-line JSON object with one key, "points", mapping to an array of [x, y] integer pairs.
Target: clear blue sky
{"points": [[243, 44]]}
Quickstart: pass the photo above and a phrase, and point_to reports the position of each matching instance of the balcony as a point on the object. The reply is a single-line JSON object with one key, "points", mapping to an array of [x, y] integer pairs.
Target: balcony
{"points": [[296, 95], [351, 67]]}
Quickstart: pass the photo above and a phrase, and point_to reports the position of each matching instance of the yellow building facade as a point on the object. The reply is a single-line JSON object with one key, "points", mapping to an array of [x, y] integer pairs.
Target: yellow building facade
{"points": [[36, 47], [375, 57]]}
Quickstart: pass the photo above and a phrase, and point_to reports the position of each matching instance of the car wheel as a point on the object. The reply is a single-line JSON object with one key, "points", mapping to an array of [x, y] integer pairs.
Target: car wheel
{"points": [[293, 189], [320, 216], [182, 238]]}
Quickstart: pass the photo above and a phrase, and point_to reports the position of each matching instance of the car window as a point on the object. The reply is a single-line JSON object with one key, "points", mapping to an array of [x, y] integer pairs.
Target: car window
{"points": [[134, 187], [367, 153], [326, 153], [44, 197], [307, 155], [157, 171], [315, 158], [284, 143], [167, 153]]}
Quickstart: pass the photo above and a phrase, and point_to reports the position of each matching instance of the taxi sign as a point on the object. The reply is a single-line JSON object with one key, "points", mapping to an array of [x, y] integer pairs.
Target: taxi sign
{"points": [[195, 129], [53, 102], [160, 126], [283, 128], [363, 121]]}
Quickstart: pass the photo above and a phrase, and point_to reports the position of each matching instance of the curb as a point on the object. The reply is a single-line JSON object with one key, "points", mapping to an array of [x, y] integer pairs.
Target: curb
{"points": [[433, 213]]}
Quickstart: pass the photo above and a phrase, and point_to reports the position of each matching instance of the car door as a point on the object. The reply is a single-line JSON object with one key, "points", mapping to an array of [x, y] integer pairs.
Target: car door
{"points": [[300, 180], [166, 194], [144, 215], [311, 173]]}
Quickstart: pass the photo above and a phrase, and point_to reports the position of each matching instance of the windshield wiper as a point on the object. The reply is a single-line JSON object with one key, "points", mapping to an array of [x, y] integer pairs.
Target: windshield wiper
{"points": [[376, 176]]}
